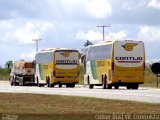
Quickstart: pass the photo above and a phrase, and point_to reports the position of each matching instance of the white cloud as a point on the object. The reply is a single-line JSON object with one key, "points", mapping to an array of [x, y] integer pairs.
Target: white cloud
{"points": [[149, 33], [46, 26], [142, 4], [90, 35], [98, 8], [154, 4], [6, 30], [117, 35], [31, 30], [28, 56], [134, 4], [23, 33], [95, 35], [95, 8], [26, 33]]}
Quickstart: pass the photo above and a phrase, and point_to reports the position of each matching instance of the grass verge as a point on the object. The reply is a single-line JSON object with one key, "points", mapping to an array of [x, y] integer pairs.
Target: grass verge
{"points": [[4, 77], [151, 81], [50, 107]]}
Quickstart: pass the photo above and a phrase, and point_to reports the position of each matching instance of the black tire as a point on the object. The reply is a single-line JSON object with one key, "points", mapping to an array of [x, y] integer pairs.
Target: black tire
{"points": [[129, 86], [104, 82], [68, 85], [72, 85], [48, 82], [11, 81], [14, 81], [135, 86], [88, 80], [60, 85], [109, 86], [11, 84], [52, 85], [116, 87], [90, 85], [21, 81]]}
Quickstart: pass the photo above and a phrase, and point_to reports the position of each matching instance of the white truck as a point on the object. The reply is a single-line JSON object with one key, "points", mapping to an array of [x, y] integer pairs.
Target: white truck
{"points": [[22, 73]]}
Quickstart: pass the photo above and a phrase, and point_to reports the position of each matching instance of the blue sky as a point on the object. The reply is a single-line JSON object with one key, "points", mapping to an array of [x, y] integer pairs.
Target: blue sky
{"points": [[69, 23]]}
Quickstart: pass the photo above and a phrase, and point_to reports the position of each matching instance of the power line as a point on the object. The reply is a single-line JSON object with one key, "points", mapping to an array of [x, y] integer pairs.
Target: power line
{"points": [[103, 26], [36, 40]]}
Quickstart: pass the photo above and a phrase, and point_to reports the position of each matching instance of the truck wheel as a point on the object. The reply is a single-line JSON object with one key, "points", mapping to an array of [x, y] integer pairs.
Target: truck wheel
{"points": [[38, 84], [11, 84], [14, 81], [21, 81], [11, 81]]}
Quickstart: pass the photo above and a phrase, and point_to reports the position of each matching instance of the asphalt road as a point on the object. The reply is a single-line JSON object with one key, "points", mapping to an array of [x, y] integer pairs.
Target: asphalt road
{"points": [[142, 94]]}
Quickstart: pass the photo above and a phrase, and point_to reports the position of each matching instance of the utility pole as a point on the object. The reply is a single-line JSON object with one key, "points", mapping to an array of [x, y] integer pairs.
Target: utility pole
{"points": [[103, 26], [36, 40]]}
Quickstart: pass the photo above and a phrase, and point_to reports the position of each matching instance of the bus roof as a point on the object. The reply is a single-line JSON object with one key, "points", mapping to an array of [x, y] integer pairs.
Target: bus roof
{"points": [[55, 49], [102, 43], [107, 42]]}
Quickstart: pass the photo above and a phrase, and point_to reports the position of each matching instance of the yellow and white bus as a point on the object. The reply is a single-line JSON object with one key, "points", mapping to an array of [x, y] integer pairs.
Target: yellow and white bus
{"points": [[115, 63], [57, 66]]}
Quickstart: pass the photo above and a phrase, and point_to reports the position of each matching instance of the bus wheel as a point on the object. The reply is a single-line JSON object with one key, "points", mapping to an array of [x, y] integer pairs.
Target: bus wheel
{"points": [[135, 86], [51, 85], [91, 86], [116, 87], [68, 85], [60, 85], [104, 82], [88, 80], [129, 86], [109, 86], [72, 85], [48, 82]]}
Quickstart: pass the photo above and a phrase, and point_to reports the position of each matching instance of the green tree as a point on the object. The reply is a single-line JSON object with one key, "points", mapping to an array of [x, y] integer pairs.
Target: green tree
{"points": [[9, 64]]}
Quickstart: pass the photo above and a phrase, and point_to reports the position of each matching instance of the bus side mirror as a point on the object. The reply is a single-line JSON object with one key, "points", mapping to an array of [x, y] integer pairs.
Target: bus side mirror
{"points": [[83, 60]]}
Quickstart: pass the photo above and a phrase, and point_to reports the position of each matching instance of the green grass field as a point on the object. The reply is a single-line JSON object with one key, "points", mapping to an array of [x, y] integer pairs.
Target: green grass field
{"points": [[50, 107]]}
